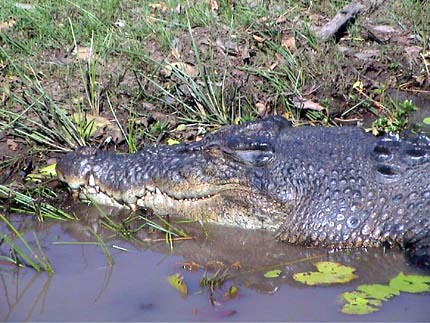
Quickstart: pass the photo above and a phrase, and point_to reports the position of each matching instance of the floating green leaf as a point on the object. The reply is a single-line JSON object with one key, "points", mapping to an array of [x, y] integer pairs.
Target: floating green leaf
{"points": [[367, 298], [231, 292], [411, 283], [359, 303], [272, 273], [328, 273], [378, 291], [177, 281]]}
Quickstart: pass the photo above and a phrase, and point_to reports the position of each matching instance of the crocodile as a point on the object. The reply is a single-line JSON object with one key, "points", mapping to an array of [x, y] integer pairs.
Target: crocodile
{"points": [[336, 187]]}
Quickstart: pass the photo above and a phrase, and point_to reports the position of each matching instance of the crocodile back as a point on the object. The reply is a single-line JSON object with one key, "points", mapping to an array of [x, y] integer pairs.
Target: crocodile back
{"points": [[354, 189]]}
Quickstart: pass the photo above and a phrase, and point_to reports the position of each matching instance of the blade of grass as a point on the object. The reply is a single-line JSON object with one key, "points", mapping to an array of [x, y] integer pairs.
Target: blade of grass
{"points": [[34, 261]]}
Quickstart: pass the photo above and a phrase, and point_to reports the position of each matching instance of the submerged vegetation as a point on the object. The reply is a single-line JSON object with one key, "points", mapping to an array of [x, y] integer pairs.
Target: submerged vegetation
{"points": [[121, 74]]}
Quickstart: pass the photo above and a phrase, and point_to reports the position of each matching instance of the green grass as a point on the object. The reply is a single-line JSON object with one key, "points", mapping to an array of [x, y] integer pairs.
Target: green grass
{"points": [[23, 255]]}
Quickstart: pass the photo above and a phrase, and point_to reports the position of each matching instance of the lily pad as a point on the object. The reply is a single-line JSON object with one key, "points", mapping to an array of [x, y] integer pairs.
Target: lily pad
{"points": [[359, 303], [378, 291], [411, 283], [177, 281], [272, 273], [328, 273]]}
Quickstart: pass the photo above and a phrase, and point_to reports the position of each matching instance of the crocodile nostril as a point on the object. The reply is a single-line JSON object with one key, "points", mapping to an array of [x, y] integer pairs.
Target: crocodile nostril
{"points": [[388, 173], [387, 170]]}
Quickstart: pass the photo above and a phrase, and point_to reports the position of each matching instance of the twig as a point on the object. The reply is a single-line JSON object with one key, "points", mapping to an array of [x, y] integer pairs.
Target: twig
{"points": [[345, 15]]}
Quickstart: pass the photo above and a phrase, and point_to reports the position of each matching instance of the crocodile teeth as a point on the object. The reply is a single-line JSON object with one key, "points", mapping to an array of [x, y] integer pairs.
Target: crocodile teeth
{"points": [[91, 181]]}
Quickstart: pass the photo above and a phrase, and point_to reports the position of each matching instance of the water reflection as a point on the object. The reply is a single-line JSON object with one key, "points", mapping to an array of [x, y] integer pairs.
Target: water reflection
{"points": [[84, 287]]}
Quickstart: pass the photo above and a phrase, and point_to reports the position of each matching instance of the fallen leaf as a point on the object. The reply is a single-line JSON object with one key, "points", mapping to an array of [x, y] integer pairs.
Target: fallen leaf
{"points": [[92, 126], [83, 53], [258, 38], [358, 85], [236, 265], [46, 172], [306, 104], [7, 24], [11, 144], [231, 292], [367, 54], [177, 281], [289, 43], [185, 68], [171, 141], [191, 266], [213, 5], [261, 108], [281, 19], [162, 7]]}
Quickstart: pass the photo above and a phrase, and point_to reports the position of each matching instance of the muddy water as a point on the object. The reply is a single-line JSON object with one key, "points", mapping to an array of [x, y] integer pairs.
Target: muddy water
{"points": [[135, 287]]}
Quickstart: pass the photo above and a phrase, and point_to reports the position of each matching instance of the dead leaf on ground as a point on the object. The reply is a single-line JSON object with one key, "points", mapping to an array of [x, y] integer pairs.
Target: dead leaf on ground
{"points": [[230, 47], [282, 18], [289, 43], [7, 24], [384, 29], [367, 54], [258, 39], [306, 104], [213, 5], [236, 265], [11, 144], [83, 53], [158, 6], [413, 54], [95, 126], [261, 108], [185, 68]]}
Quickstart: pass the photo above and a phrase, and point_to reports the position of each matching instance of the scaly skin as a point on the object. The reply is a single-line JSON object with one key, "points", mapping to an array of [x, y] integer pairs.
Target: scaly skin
{"points": [[337, 187]]}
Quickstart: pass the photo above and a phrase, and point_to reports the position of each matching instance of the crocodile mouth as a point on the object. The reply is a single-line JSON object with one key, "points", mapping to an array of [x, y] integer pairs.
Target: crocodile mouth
{"points": [[141, 196], [205, 201]]}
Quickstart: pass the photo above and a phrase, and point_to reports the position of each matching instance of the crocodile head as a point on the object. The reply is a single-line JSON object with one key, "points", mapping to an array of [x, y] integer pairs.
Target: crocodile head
{"points": [[226, 178]]}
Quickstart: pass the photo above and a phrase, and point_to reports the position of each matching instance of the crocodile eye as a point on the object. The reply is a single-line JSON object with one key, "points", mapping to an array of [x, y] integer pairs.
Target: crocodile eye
{"points": [[255, 157], [254, 151]]}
